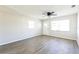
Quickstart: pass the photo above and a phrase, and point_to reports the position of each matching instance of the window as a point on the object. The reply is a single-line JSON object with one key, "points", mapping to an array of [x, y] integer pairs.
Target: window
{"points": [[31, 24], [60, 25]]}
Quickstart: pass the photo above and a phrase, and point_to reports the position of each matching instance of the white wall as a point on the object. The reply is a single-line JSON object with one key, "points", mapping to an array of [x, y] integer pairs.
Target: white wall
{"points": [[72, 34], [14, 27], [78, 29]]}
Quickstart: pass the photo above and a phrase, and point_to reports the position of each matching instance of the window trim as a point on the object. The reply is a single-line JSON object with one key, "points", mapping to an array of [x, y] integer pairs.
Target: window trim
{"points": [[60, 29]]}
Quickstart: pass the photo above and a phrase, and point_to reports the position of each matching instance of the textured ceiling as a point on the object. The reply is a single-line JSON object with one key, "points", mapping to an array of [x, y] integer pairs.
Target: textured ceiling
{"points": [[37, 10]]}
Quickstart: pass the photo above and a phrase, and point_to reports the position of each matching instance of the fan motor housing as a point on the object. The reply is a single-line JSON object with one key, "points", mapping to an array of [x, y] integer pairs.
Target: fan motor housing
{"points": [[49, 13]]}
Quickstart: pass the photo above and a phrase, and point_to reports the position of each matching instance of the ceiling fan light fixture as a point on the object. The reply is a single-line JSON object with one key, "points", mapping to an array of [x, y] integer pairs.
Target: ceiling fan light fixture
{"points": [[49, 13], [73, 6]]}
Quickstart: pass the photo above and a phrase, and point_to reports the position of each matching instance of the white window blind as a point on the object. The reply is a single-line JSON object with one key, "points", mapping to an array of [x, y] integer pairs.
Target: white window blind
{"points": [[60, 25]]}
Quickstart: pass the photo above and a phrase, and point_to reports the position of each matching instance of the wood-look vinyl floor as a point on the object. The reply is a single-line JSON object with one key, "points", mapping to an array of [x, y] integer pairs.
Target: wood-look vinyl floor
{"points": [[41, 45]]}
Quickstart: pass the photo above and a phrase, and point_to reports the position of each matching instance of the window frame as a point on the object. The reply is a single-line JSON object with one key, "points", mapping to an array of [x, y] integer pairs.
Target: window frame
{"points": [[51, 27], [31, 24]]}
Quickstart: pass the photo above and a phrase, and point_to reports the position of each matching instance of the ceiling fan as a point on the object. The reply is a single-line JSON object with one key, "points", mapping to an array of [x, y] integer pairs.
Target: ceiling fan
{"points": [[49, 13], [73, 6]]}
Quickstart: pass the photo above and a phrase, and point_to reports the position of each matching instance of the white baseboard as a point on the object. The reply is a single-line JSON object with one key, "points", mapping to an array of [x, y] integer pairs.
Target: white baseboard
{"points": [[17, 40]]}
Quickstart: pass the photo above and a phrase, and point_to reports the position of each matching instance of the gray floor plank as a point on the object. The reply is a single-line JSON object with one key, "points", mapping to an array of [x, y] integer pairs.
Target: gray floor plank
{"points": [[41, 45]]}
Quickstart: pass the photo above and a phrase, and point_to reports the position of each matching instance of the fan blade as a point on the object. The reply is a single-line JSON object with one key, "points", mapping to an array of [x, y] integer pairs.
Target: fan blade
{"points": [[54, 14], [44, 13]]}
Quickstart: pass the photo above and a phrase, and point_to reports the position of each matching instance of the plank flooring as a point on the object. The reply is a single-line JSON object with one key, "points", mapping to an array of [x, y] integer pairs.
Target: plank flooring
{"points": [[41, 45]]}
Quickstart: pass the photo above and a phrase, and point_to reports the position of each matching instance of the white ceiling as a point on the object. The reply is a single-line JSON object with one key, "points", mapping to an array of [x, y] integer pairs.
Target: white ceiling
{"points": [[37, 10]]}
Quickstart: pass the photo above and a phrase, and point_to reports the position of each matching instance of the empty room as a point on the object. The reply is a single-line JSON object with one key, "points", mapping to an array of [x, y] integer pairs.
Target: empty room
{"points": [[39, 29]]}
